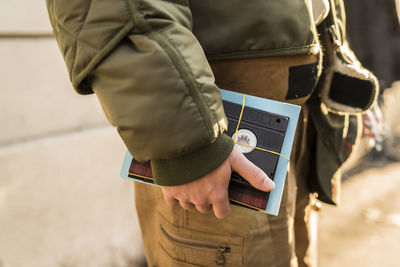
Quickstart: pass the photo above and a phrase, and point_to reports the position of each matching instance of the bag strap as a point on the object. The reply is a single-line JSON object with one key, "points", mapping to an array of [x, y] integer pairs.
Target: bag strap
{"points": [[333, 25], [337, 32]]}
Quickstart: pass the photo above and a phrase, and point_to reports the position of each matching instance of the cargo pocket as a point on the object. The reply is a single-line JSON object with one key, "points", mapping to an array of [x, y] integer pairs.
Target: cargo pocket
{"points": [[185, 247]]}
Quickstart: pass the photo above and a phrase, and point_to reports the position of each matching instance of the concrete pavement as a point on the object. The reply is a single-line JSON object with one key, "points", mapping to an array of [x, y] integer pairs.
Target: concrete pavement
{"points": [[62, 203], [365, 229]]}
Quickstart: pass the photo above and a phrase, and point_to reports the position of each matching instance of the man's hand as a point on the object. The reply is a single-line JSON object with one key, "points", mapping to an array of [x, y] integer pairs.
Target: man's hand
{"points": [[211, 191]]}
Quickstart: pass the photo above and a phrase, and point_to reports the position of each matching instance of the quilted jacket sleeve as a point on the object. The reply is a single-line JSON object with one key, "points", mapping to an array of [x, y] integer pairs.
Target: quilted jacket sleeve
{"points": [[155, 85]]}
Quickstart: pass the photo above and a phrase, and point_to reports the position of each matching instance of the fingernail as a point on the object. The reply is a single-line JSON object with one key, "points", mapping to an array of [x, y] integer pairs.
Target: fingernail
{"points": [[269, 184]]}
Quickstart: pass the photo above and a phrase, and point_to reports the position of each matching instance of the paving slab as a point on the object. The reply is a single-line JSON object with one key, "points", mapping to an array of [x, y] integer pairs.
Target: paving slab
{"points": [[26, 16], [36, 97], [62, 203], [365, 229]]}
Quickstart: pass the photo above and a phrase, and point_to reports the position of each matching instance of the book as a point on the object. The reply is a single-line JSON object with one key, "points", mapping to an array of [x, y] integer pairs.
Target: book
{"points": [[263, 130]]}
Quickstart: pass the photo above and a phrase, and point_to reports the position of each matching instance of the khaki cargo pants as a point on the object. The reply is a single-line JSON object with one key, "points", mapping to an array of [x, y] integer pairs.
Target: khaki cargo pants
{"points": [[173, 236]]}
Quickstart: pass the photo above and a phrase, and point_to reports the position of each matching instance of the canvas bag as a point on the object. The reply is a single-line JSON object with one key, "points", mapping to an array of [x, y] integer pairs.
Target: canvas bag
{"points": [[335, 108], [346, 85]]}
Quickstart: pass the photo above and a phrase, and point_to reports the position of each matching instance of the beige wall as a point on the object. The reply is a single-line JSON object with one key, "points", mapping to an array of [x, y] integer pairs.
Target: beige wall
{"points": [[62, 202]]}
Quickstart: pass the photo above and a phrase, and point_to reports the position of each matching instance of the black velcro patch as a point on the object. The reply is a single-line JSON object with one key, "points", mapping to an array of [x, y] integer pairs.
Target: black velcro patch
{"points": [[301, 80], [351, 91]]}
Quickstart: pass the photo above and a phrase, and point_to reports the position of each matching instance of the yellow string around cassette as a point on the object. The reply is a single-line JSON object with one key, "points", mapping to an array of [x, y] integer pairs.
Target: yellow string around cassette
{"points": [[237, 129]]}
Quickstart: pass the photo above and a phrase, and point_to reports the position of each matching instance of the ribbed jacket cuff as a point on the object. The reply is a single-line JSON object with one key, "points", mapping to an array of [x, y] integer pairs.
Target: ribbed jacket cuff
{"points": [[194, 165]]}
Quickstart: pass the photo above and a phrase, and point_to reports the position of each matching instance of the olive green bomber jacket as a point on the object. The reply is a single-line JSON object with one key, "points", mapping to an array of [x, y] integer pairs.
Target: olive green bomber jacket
{"points": [[147, 62]]}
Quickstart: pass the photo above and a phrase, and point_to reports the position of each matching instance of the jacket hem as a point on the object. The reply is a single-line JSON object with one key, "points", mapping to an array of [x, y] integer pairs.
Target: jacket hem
{"points": [[194, 165]]}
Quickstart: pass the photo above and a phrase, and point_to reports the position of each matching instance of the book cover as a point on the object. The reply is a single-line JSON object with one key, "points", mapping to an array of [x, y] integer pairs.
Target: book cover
{"points": [[263, 130]]}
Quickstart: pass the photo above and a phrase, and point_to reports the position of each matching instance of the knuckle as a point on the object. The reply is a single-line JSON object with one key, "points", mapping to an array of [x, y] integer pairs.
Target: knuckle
{"points": [[198, 200], [255, 172], [200, 203], [180, 195], [219, 197]]}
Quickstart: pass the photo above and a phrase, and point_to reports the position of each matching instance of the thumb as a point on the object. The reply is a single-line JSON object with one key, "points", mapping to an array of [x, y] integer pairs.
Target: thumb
{"points": [[253, 174]]}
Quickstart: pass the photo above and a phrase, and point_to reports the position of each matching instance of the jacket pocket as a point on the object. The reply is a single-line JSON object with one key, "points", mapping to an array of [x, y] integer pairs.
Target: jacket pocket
{"points": [[186, 247]]}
